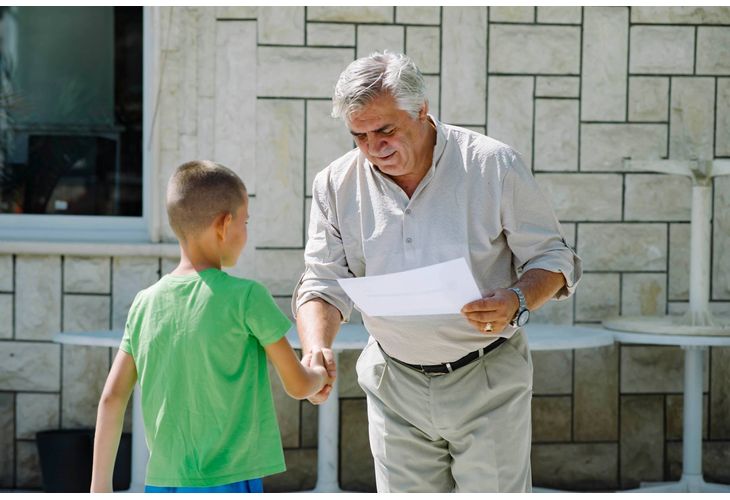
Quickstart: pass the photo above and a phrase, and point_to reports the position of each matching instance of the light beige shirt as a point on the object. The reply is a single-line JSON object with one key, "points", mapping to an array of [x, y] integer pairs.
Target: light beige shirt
{"points": [[477, 201]]}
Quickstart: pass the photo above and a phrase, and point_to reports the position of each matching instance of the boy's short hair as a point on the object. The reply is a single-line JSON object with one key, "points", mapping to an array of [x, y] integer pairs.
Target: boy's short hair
{"points": [[198, 192]]}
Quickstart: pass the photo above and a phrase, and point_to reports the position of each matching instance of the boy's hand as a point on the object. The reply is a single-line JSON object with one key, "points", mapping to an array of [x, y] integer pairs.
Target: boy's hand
{"points": [[323, 361]]}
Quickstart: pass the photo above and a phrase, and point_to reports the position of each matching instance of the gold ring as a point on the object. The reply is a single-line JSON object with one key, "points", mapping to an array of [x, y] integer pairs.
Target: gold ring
{"points": [[488, 327]]}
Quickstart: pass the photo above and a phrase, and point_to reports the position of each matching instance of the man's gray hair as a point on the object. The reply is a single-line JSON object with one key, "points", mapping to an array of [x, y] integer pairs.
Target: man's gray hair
{"points": [[377, 74]]}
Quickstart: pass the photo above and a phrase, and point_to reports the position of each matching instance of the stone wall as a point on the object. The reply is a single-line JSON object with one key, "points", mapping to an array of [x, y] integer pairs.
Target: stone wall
{"points": [[575, 90]]}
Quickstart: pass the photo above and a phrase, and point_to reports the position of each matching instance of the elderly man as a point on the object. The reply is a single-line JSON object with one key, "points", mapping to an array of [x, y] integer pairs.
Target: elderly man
{"points": [[448, 399]]}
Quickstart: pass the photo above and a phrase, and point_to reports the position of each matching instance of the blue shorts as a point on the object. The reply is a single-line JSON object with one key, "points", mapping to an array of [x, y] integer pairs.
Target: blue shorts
{"points": [[248, 486]]}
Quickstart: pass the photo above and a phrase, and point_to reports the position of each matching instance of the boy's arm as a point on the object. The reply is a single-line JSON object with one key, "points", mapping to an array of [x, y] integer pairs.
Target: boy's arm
{"points": [[299, 381], [110, 419]]}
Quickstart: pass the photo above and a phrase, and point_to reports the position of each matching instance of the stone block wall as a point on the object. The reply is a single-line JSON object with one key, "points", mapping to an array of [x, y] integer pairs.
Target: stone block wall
{"points": [[575, 90]]}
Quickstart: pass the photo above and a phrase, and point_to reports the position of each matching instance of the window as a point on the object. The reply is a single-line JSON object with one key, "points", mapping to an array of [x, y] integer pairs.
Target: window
{"points": [[71, 119]]}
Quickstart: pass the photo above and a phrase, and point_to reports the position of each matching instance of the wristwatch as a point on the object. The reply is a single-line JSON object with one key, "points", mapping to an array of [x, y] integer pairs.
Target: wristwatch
{"points": [[522, 316]]}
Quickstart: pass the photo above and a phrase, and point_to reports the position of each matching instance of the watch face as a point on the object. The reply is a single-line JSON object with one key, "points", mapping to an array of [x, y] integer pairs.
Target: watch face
{"points": [[523, 317]]}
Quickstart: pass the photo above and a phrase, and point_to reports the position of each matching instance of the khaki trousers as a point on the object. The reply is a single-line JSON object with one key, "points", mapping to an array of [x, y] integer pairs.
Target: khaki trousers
{"points": [[465, 431]]}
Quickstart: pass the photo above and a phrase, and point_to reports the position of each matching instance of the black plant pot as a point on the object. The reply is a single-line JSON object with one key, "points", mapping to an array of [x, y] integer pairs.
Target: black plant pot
{"points": [[66, 457]]}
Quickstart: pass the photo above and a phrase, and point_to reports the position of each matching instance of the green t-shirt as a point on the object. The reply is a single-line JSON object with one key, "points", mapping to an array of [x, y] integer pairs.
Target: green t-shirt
{"points": [[208, 411]]}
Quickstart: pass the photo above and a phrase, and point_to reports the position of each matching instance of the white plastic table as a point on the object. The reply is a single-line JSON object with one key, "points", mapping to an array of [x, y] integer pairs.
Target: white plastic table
{"points": [[694, 347], [140, 455], [548, 337]]}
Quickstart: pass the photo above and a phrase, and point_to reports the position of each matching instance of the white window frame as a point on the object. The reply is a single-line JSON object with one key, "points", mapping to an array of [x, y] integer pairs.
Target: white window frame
{"points": [[101, 229]]}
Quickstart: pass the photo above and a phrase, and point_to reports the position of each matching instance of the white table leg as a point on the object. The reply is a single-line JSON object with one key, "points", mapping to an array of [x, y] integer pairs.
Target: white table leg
{"points": [[692, 414], [328, 441], [140, 454]]}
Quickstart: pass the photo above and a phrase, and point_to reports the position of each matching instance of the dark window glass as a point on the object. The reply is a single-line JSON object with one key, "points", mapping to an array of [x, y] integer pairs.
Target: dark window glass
{"points": [[71, 110]]}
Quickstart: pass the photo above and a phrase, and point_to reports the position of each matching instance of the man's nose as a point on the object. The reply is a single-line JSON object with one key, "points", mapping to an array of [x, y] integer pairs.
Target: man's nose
{"points": [[376, 144]]}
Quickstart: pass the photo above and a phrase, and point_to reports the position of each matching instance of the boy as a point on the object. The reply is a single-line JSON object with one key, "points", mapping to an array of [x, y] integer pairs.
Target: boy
{"points": [[198, 340]]}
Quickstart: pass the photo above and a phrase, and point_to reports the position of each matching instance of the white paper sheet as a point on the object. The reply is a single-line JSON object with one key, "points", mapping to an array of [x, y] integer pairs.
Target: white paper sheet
{"points": [[439, 289]]}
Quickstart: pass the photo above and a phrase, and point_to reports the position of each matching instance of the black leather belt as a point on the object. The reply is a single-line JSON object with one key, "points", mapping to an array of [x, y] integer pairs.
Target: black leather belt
{"points": [[454, 365]]}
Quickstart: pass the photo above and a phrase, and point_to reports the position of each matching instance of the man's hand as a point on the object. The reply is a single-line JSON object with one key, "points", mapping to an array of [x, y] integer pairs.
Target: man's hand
{"points": [[492, 313], [327, 361]]}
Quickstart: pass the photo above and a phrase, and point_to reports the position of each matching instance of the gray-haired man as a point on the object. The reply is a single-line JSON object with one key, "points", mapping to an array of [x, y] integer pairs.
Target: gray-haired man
{"points": [[448, 400]]}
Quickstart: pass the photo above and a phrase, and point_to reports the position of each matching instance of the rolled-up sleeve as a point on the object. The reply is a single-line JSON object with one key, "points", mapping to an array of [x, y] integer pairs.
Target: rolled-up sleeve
{"points": [[324, 256], [532, 229]]}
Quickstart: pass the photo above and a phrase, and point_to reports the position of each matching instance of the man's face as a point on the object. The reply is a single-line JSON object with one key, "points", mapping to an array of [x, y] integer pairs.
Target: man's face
{"points": [[390, 138]]}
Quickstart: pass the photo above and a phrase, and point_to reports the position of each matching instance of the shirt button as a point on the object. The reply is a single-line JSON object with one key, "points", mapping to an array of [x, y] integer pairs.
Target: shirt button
{"points": [[409, 240], [408, 211]]}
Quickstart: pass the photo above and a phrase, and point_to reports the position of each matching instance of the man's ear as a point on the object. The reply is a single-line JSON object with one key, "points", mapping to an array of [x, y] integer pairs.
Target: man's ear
{"points": [[222, 225], [423, 113]]}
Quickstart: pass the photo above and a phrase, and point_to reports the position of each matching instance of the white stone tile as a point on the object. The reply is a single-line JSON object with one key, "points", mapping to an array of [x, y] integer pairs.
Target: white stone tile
{"points": [[205, 45], [307, 213], [463, 65], [6, 273], [87, 274], [584, 197], [654, 369], [7, 439], [169, 104], [556, 134], [681, 15], [553, 372], [433, 94], [662, 50], [330, 34], [36, 412], [351, 14], [653, 197], [604, 146], [605, 39], [722, 132], [280, 270], [379, 38], [281, 25], [534, 49], [721, 240], [623, 247], [131, 274], [83, 313], [423, 44], [644, 294], [692, 118], [280, 163], [648, 98], [187, 98], [27, 465], [287, 411], [6, 316], [713, 50], [235, 100], [322, 67], [327, 139], [554, 312], [241, 12], [679, 261], [598, 297], [418, 15], [510, 113], [559, 15], [206, 128], [512, 14], [30, 366], [38, 283], [84, 373], [557, 86]]}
